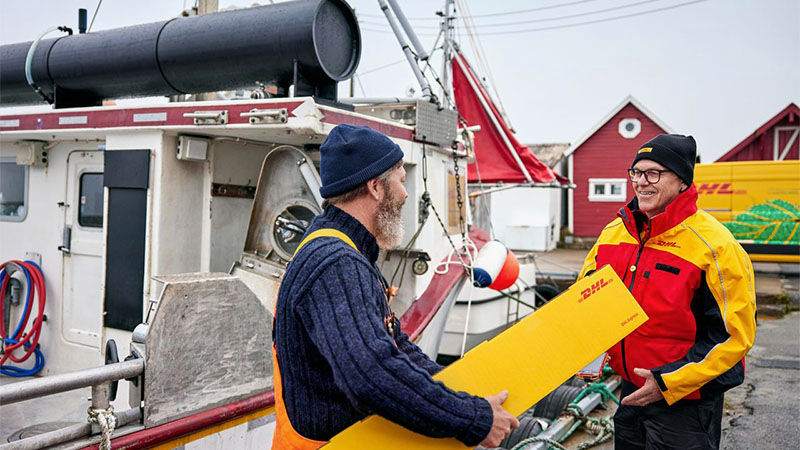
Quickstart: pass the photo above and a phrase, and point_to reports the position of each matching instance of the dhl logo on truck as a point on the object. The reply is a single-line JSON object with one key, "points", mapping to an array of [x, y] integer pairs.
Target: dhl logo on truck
{"points": [[718, 188], [588, 292]]}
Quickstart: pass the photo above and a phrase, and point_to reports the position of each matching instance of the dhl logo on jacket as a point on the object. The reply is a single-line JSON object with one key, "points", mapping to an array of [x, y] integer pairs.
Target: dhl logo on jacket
{"points": [[696, 284]]}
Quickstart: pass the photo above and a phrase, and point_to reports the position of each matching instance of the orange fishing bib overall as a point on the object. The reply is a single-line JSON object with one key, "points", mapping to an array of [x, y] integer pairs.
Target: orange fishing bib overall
{"points": [[286, 437]]}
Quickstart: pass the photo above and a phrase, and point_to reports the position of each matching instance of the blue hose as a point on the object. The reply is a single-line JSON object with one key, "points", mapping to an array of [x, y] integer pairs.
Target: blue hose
{"points": [[13, 371]]}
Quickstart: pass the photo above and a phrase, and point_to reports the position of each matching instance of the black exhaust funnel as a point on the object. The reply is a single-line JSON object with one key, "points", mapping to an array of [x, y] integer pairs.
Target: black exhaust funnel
{"points": [[311, 44]]}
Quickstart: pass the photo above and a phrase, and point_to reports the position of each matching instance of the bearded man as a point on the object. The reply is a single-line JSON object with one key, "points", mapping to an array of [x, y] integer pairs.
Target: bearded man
{"points": [[341, 351]]}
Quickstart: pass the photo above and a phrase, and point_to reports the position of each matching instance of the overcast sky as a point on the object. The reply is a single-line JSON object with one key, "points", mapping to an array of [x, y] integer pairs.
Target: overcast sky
{"points": [[716, 69]]}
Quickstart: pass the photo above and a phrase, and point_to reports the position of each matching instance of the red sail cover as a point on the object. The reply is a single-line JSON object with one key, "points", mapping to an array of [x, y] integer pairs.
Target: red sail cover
{"points": [[494, 159]]}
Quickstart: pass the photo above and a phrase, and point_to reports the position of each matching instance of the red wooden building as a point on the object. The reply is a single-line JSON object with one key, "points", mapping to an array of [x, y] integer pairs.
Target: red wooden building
{"points": [[597, 164], [776, 140]]}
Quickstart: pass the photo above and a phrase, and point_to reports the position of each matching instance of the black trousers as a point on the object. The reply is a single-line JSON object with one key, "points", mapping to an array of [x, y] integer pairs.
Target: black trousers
{"points": [[686, 425]]}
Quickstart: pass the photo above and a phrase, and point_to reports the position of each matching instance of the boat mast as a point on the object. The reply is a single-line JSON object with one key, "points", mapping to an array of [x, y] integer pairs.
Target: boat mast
{"points": [[447, 47]]}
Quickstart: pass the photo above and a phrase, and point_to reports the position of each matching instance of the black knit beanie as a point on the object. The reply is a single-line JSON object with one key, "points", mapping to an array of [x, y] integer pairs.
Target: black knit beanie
{"points": [[673, 151], [351, 156]]}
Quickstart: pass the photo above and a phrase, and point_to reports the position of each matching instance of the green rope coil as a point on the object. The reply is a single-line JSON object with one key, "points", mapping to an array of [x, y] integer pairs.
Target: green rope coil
{"points": [[532, 440], [607, 372], [602, 427], [596, 388]]}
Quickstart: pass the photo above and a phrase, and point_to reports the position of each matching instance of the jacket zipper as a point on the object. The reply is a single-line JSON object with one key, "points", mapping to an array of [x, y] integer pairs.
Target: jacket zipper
{"points": [[630, 288]]}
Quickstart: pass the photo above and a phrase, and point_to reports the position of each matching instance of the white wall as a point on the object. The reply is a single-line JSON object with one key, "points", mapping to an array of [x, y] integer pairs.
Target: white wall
{"points": [[527, 218], [41, 232]]}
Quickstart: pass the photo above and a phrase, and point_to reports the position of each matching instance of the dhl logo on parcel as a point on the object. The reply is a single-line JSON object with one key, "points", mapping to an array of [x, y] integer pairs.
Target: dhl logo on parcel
{"points": [[588, 292]]}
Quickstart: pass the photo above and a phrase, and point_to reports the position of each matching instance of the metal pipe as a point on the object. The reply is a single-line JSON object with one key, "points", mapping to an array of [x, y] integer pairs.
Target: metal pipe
{"points": [[29, 62], [53, 384], [401, 17], [100, 400], [312, 180], [374, 100], [100, 395], [69, 433], [527, 185], [564, 423], [564, 275], [244, 141], [426, 88]]}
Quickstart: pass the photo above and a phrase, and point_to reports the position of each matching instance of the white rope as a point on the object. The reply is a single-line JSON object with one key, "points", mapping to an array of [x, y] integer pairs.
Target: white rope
{"points": [[471, 252], [466, 321], [107, 421]]}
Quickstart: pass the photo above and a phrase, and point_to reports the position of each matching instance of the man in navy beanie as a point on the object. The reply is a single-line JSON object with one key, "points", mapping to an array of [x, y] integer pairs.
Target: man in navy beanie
{"points": [[695, 282], [340, 352]]}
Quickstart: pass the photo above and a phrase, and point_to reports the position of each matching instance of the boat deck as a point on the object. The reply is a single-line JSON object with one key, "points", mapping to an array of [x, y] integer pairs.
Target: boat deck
{"points": [[67, 407]]}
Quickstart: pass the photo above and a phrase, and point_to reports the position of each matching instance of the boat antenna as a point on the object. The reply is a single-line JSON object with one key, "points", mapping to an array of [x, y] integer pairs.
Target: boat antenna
{"points": [[410, 56]]}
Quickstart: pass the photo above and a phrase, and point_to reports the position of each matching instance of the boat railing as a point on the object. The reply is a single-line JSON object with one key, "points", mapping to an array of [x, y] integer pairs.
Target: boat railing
{"points": [[99, 378]]}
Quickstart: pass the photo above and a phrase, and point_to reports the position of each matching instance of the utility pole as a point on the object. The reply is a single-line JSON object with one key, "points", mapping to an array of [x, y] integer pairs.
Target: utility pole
{"points": [[207, 6]]}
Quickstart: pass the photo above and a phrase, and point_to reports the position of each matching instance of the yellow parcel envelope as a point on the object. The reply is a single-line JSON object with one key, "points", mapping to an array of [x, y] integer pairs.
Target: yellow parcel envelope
{"points": [[529, 359]]}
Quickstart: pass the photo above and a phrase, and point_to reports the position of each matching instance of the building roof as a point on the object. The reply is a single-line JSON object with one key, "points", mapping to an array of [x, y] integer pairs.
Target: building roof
{"points": [[790, 109], [629, 99], [550, 153]]}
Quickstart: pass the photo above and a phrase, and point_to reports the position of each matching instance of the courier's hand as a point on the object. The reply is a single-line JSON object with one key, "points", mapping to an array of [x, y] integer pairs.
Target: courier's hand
{"points": [[646, 394], [502, 421]]}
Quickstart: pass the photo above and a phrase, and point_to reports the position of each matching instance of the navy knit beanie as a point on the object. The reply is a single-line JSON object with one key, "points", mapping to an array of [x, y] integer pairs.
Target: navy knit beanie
{"points": [[673, 151], [351, 156]]}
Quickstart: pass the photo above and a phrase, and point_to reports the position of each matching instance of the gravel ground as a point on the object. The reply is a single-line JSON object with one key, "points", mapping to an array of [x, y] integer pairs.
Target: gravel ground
{"points": [[764, 413]]}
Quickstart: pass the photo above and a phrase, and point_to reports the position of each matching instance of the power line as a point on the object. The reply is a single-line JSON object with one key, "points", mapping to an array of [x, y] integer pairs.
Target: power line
{"points": [[360, 84], [508, 13], [569, 25], [589, 22], [375, 69], [480, 53], [546, 19]]}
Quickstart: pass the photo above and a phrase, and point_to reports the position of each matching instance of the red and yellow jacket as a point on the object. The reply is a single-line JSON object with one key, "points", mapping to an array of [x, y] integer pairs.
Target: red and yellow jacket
{"points": [[696, 284]]}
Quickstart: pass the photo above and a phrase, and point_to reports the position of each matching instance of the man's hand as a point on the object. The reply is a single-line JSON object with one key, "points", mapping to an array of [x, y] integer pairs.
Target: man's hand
{"points": [[502, 421], [646, 394]]}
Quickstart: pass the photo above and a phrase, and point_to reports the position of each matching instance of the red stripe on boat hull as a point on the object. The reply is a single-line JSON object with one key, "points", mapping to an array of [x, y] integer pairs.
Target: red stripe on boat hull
{"points": [[196, 422]]}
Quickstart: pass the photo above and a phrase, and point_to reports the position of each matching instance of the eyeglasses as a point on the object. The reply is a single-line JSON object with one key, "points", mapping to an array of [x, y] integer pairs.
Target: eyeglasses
{"points": [[651, 175]]}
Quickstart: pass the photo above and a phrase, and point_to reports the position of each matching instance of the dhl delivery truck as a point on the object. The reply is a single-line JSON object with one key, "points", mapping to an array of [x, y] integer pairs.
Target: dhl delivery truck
{"points": [[758, 201]]}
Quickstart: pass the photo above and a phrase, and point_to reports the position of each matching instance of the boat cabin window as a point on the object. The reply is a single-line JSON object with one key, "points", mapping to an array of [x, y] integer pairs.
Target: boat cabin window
{"points": [[607, 189], [13, 190], [90, 212]]}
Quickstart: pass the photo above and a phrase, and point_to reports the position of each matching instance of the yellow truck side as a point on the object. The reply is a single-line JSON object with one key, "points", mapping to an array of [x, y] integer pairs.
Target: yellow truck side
{"points": [[758, 201]]}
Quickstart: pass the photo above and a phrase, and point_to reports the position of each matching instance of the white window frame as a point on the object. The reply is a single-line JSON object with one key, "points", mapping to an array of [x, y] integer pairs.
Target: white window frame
{"points": [[637, 127], [621, 197], [13, 160], [779, 154]]}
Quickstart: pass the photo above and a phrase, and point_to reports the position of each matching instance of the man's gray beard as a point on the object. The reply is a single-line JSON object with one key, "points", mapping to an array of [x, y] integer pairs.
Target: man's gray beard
{"points": [[389, 233]]}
